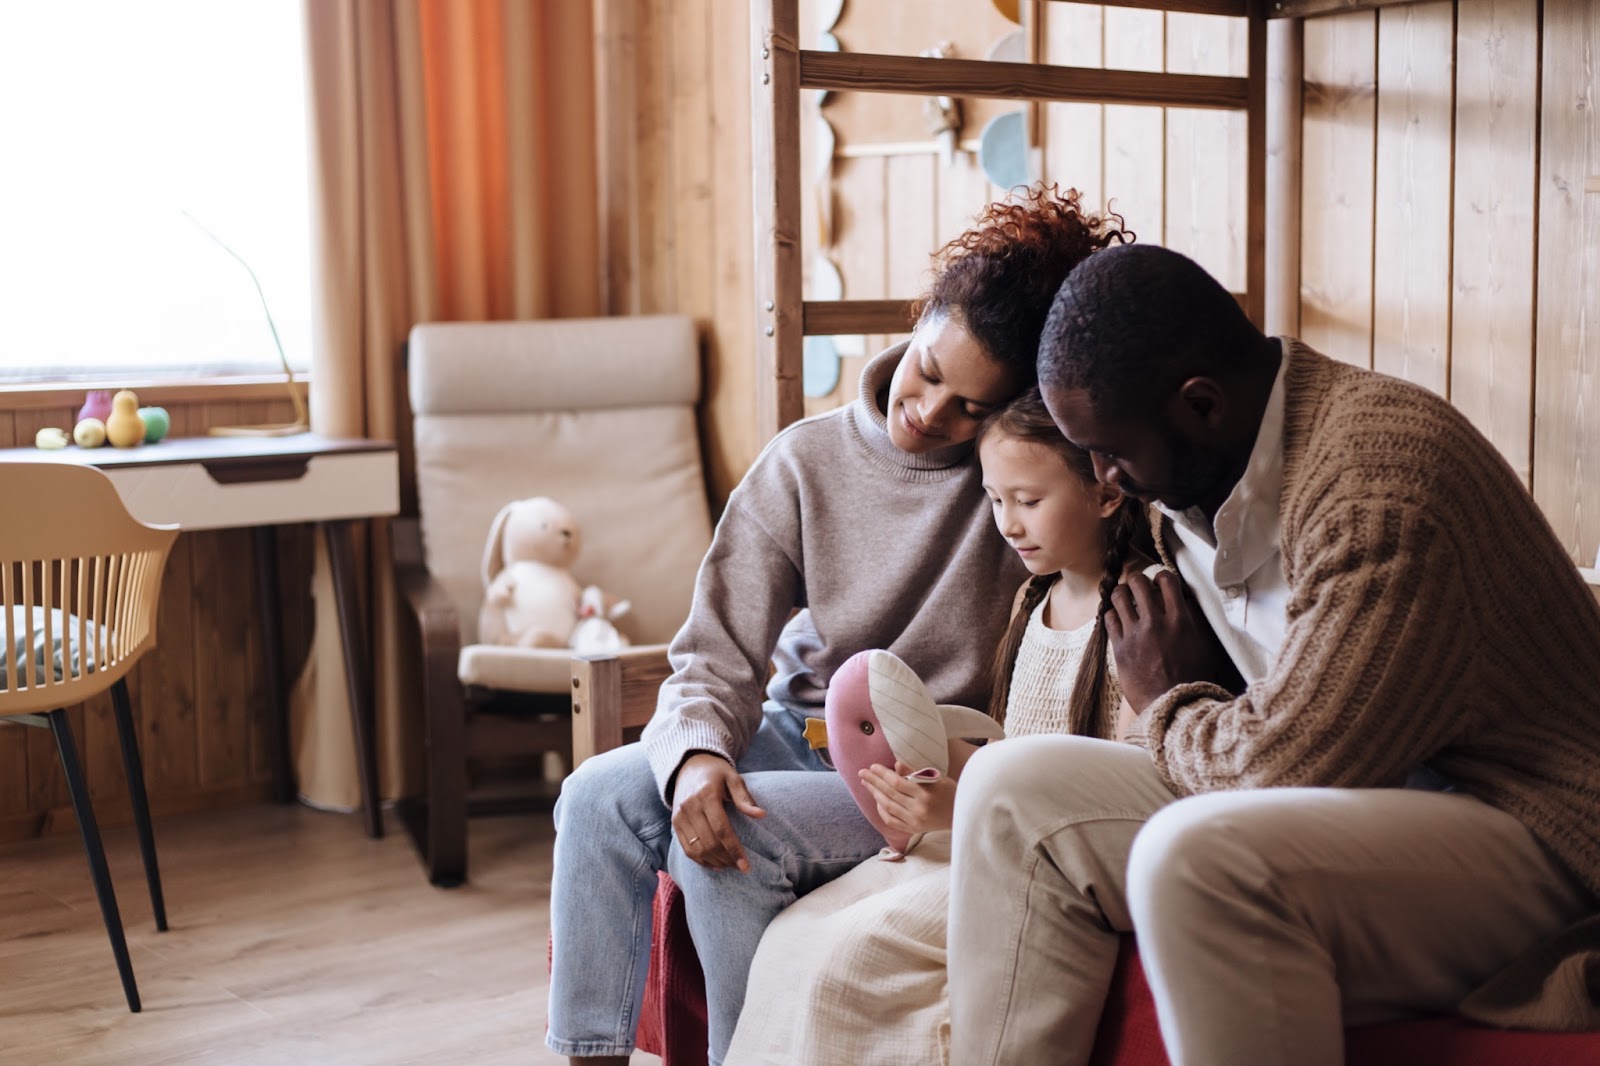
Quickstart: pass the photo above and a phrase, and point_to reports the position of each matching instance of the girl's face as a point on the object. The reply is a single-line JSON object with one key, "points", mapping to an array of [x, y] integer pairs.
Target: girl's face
{"points": [[944, 386], [1049, 514]]}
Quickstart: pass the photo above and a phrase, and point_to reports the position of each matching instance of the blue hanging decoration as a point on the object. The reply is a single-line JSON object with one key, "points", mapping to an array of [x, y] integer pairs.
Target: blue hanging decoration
{"points": [[1012, 48], [828, 17], [821, 367], [1003, 150]]}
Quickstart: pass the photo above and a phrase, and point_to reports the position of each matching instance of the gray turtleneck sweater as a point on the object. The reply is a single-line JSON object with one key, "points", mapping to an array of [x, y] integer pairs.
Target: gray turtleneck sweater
{"points": [[874, 548]]}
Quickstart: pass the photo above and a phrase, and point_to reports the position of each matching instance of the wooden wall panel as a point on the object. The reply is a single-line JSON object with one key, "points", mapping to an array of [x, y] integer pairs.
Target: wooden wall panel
{"points": [[1566, 442], [1411, 254], [198, 697], [910, 221], [678, 76], [963, 192], [730, 383], [860, 250], [692, 153], [1205, 194], [1496, 142], [168, 730], [1339, 146], [655, 131], [1134, 172], [1473, 270], [1074, 134]]}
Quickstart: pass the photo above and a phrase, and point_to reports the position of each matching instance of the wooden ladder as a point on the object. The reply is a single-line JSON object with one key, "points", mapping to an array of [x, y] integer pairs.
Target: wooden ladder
{"points": [[781, 69]]}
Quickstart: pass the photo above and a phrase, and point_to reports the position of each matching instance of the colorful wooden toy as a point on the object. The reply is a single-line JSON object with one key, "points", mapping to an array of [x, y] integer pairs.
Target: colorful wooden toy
{"points": [[157, 423], [125, 429], [89, 433]]}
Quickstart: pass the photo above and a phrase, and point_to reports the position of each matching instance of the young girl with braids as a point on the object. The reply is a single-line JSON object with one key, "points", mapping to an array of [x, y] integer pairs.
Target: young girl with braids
{"points": [[855, 972]]}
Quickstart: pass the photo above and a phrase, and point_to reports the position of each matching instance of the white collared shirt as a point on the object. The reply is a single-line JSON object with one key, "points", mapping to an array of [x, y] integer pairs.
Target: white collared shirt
{"points": [[1236, 570]]}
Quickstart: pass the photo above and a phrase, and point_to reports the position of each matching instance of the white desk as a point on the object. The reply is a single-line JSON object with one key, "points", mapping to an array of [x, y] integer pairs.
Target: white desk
{"points": [[198, 483]]}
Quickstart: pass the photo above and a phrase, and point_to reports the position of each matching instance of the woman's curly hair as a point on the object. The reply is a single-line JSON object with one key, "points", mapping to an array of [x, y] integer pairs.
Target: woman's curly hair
{"points": [[998, 279]]}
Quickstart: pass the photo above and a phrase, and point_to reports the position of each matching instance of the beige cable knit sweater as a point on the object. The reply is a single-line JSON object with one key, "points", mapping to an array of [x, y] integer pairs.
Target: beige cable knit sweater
{"points": [[1434, 618]]}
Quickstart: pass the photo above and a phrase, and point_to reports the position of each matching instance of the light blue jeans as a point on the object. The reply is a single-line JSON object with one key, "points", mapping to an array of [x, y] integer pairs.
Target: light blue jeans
{"points": [[613, 833]]}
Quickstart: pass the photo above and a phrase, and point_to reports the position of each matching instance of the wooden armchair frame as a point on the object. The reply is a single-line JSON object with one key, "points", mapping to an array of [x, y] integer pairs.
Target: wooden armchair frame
{"points": [[610, 694]]}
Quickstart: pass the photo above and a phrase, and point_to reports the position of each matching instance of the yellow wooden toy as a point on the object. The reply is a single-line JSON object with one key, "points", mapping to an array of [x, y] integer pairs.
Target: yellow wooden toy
{"points": [[125, 429], [89, 433]]}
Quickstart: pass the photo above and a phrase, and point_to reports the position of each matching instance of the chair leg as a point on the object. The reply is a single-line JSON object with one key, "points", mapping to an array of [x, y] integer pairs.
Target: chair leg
{"points": [[447, 791], [98, 870], [134, 767]]}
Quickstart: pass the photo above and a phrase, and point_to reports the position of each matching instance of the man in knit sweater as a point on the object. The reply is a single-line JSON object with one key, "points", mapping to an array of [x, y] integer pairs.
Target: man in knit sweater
{"points": [[1405, 796]]}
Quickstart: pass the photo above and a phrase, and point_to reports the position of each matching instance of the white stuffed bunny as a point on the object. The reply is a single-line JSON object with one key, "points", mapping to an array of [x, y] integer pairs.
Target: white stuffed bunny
{"points": [[530, 598], [595, 632]]}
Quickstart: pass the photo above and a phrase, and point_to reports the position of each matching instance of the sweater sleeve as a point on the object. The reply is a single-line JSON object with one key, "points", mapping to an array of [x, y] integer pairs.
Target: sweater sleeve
{"points": [[746, 589], [1361, 692]]}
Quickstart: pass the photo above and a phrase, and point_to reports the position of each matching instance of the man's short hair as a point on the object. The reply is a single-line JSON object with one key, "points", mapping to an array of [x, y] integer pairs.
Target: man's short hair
{"points": [[1139, 315]]}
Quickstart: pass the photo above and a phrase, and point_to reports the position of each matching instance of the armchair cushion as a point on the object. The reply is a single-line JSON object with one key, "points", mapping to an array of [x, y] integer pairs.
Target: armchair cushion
{"points": [[28, 641], [596, 413], [520, 669]]}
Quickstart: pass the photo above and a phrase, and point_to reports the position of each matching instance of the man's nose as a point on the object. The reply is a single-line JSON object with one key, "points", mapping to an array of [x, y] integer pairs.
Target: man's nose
{"points": [[1104, 469]]}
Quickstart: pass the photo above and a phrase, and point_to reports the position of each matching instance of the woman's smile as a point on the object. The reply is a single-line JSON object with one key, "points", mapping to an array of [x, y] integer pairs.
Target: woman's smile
{"points": [[914, 426]]}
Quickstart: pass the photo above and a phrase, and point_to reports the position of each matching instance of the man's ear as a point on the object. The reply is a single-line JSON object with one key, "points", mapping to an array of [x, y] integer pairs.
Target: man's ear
{"points": [[1199, 404]]}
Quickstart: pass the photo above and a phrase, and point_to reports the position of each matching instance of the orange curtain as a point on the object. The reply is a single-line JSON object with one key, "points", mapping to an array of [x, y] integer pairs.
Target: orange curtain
{"points": [[453, 171], [509, 95]]}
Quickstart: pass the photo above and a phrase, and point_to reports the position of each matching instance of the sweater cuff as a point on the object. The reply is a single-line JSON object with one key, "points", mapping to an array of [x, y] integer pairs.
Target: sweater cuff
{"points": [[1156, 717], [667, 749], [1150, 728]]}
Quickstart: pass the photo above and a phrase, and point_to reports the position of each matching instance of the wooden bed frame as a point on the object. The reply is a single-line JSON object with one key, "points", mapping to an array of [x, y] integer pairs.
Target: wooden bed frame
{"points": [[1268, 95]]}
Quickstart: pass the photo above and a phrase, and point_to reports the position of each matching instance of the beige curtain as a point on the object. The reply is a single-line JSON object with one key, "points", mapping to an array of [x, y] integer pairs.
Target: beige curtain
{"points": [[452, 178]]}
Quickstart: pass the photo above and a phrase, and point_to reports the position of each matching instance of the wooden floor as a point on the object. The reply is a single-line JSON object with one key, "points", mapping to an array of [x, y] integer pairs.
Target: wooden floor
{"points": [[293, 939]]}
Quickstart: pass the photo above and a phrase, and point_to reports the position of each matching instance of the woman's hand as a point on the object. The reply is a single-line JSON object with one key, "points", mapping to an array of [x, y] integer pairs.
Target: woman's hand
{"points": [[908, 806], [704, 783]]}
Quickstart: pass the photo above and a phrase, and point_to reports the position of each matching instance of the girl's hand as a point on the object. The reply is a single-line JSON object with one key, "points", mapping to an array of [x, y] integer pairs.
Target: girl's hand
{"points": [[908, 806]]}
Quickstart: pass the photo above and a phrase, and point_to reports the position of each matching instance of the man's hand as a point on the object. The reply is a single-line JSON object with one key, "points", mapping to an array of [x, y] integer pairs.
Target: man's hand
{"points": [[704, 783], [1159, 639], [907, 805]]}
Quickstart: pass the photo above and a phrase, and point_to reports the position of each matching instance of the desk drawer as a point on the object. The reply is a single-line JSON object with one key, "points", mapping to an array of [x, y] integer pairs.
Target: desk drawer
{"points": [[354, 485]]}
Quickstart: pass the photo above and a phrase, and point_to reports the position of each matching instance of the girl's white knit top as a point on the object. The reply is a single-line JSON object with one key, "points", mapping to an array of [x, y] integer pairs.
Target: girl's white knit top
{"points": [[1042, 680]]}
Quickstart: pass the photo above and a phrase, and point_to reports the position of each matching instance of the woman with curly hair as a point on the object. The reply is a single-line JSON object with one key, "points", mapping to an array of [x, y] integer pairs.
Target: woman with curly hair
{"points": [[865, 527]]}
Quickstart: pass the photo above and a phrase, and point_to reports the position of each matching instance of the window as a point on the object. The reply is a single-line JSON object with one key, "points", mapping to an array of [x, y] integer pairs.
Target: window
{"points": [[130, 129]]}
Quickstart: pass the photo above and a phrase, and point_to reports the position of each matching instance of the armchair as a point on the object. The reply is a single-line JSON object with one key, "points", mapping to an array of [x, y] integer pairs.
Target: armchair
{"points": [[596, 413]]}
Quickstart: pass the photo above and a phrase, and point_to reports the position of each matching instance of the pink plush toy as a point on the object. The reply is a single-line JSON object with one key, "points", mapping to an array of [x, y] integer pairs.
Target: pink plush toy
{"points": [[878, 710]]}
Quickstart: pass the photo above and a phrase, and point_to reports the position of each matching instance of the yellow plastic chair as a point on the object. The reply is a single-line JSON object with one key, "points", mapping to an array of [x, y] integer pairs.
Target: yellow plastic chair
{"points": [[80, 579]]}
